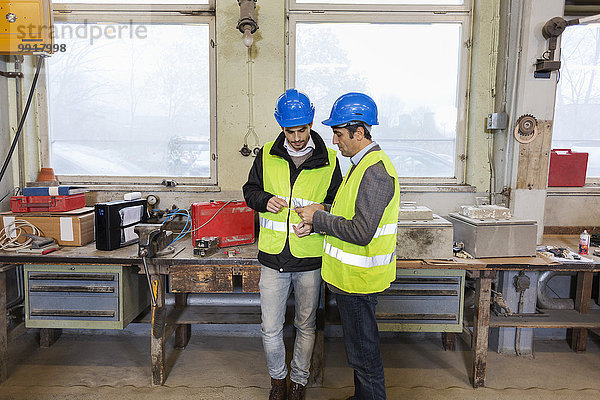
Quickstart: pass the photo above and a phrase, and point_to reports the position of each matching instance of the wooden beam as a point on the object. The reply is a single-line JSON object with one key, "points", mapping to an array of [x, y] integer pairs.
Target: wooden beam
{"points": [[449, 341], [183, 332], [583, 298], [49, 336], [158, 337], [481, 321], [3, 330]]}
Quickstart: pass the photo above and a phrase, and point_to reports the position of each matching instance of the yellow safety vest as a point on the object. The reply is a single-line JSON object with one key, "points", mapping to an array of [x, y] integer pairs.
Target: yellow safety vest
{"points": [[370, 268], [310, 187]]}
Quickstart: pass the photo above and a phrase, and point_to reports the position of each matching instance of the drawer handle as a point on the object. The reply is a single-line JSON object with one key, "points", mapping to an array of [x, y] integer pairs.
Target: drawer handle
{"points": [[430, 281], [77, 289], [419, 317], [72, 313], [420, 292], [71, 277], [205, 280]]}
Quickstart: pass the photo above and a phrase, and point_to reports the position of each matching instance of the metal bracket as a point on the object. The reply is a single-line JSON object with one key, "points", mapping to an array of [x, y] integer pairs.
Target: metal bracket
{"points": [[11, 74]]}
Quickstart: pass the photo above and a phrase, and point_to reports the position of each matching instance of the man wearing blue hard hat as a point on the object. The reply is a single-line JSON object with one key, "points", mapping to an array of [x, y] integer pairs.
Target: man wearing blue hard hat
{"points": [[359, 258], [296, 169]]}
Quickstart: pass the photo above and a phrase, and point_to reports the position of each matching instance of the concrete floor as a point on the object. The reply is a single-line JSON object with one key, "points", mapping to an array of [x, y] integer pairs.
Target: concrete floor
{"points": [[101, 366]]}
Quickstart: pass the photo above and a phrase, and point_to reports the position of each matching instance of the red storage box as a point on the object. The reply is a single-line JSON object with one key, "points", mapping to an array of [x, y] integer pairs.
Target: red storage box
{"points": [[233, 224], [567, 168], [20, 204]]}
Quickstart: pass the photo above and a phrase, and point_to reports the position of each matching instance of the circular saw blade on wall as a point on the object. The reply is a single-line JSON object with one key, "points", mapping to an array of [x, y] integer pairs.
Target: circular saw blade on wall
{"points": [[526, 129]]}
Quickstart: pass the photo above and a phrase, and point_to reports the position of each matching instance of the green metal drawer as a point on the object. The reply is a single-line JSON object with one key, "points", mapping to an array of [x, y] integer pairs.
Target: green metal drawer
{"points": [[83, 296], [423, 301]]}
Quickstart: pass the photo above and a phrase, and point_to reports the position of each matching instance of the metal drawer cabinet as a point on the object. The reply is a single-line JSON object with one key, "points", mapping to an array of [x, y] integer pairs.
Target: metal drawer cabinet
{"points": [[83, 296], [423, 301]]}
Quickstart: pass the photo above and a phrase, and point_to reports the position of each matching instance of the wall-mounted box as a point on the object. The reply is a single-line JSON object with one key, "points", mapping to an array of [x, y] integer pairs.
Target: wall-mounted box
{"points": [[83, 296], [26, 27]]}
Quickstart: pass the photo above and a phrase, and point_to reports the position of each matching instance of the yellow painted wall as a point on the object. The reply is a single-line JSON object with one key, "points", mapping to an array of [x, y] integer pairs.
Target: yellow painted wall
{"points": [[481, 102], [268, 53]]}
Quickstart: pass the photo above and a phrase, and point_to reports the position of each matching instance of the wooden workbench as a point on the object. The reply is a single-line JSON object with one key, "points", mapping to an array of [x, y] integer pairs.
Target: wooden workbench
{"points": [[216, 273]]}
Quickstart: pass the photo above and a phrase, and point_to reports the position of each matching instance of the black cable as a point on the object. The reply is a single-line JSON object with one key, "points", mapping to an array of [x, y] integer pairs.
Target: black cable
{"points": [[22, 122]]}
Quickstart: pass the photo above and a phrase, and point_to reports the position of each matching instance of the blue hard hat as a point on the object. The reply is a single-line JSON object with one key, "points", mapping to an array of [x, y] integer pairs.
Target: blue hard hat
{"points": [[294, 108], [353, 107]]}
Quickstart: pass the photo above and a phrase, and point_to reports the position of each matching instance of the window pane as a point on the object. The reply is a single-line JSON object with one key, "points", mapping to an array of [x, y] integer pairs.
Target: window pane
{"points": [[133, 105], [577, 113], [410, 70], [419, 2]]}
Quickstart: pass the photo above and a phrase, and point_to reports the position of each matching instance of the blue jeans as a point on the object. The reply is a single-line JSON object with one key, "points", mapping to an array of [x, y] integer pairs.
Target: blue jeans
{"points": [[361, 337], [275, 288]]}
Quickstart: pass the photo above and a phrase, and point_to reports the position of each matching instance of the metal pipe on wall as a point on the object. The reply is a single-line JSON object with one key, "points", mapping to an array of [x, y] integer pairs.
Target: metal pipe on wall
{"points": [[550, 303], [217, 299]]}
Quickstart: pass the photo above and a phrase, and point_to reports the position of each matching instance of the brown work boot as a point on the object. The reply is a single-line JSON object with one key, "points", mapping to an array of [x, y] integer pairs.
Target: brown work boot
{"points": [[296, 391], [278, 389]]}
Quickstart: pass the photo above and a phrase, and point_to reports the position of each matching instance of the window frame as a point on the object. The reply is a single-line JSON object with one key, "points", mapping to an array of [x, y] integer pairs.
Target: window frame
{"points": [[590, 182], [146, 13], [398, 14]]}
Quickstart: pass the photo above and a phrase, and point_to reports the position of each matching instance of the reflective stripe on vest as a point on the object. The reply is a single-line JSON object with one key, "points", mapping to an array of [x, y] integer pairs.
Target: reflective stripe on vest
{"points": [[298, 202], [272, 225], [356, 260], [389, 229]]}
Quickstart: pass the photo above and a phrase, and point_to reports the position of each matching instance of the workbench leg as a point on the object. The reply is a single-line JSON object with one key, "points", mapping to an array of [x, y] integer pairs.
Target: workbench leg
{"points": [[3, 330], [583, 299], [158, 337], [449, 341], [183, 332], [49, 336], [481, 324], [318, 356]]}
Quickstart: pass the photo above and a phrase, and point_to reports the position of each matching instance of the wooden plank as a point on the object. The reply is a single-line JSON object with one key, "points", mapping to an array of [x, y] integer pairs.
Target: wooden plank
{"points": [[250, 279], [481, 321], [315, 378], [550, 319], [532, 172], [449, 341], [183, 332], [49, 336], [158, 337], [3, 330], [202, 279], [583, 298]]}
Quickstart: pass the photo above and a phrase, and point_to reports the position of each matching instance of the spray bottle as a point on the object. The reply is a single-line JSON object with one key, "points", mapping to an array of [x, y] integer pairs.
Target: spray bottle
{"points": [[584, 243]]}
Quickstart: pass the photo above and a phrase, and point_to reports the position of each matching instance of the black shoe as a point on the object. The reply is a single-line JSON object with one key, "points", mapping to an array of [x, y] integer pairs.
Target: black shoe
{"points": [[296, 391], [278, 389]]}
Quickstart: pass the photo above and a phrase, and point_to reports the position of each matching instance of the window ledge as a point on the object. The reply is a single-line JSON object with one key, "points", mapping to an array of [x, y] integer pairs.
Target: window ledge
{"points": [[587, 190], [151, 188], [436, 188]]}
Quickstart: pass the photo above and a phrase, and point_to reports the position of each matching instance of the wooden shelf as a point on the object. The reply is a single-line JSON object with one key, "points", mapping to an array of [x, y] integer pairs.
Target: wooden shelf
{"points": [[549, 319]]}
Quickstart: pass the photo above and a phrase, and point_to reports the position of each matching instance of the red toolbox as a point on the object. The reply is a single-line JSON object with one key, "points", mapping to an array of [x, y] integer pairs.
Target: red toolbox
{"points": [[233, 222], [567, 168], [20, 204]]}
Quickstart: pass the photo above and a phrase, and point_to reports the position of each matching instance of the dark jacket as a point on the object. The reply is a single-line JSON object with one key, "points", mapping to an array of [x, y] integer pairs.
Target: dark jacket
{"points": [[257, 198]]}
